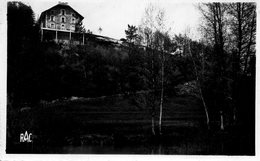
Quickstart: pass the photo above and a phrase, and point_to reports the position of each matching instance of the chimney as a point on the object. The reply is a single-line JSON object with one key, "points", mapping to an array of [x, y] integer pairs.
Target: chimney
{"points": [[63, 3]]}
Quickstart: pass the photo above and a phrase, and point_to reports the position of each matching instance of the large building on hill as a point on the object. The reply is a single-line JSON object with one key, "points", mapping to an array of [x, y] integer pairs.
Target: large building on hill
{"points": [[60, 17], [59, 22]]}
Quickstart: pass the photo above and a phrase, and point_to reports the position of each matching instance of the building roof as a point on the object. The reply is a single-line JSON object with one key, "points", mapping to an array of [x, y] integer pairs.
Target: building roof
{"points": [[63, 5]]}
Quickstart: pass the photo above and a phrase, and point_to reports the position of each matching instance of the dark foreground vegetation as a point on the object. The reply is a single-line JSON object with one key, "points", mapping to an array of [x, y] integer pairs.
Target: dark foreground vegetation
{"points": [[172, 95], [115, 125]]}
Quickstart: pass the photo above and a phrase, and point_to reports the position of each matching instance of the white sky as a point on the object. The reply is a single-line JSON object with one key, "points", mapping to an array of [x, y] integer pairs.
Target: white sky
{"points": [[114, 15]]}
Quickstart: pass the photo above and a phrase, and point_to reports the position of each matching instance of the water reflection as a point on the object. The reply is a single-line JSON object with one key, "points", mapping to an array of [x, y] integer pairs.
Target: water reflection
{"points": [[97, 149], [140, 149]]}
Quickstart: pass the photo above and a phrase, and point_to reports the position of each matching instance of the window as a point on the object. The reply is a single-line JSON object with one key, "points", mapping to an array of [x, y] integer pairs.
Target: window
{"points": [[63, 20], [52, 25], [62, 26], [52, 18], [73, 20], [52, 12], [73, 14], [72, 27], [63, 12]]}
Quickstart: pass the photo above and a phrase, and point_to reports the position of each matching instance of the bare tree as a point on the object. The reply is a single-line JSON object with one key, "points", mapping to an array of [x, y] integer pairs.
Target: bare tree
{"points": [[146, 29], [199, 77], [215, 29], [153, 33], [161, 41], [242, 17], [243, 27]]}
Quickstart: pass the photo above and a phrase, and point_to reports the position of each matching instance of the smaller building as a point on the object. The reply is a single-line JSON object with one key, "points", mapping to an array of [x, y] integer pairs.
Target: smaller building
{"points": [[60, 22]]}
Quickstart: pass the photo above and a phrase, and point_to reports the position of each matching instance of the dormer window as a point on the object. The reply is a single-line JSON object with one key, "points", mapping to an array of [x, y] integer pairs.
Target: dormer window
{"points": [[63, 12]]}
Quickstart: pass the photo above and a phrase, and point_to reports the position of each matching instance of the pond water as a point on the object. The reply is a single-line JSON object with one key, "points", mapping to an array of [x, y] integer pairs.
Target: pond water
{"points": [[187, 148], [183, 147]]}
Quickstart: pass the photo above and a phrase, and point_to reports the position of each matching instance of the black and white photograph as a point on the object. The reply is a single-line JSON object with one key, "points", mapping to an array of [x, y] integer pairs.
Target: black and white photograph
{"points": [[121, 77]]}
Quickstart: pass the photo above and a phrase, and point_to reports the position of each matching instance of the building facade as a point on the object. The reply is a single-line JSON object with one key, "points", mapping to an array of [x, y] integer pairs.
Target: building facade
{"points": [[59, 22]]}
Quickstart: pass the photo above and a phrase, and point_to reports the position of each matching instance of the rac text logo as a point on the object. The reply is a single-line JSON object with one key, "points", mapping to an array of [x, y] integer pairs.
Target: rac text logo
{"points": [[26, 137]]}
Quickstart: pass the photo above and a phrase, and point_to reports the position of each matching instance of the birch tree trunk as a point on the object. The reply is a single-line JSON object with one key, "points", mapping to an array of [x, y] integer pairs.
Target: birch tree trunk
{"points": [[162, 94], [153, 95], [199, 86]]}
